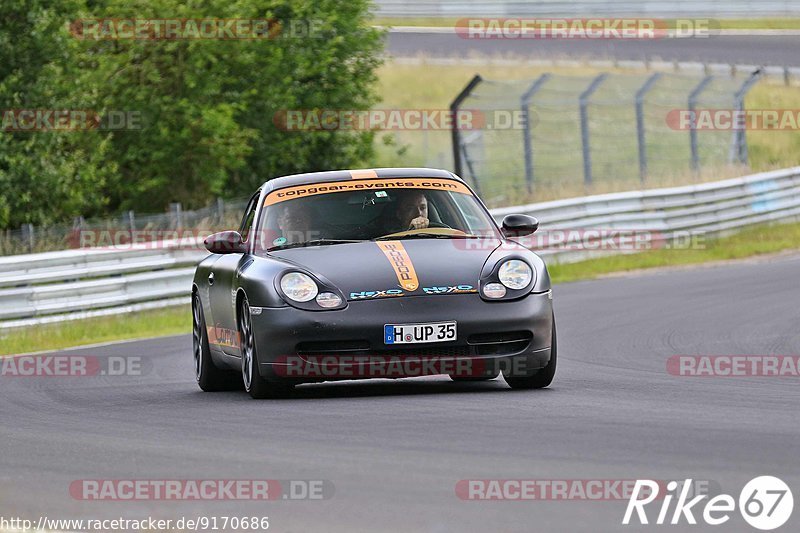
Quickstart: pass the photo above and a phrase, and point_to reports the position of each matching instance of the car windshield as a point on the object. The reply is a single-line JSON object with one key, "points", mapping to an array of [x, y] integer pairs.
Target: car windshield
{"points": [[358, 210]]}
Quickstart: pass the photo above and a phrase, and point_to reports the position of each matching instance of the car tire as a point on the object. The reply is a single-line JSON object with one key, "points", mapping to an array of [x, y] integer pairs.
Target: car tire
{"points": [[258, 387], [209, 377], [544, 376]]}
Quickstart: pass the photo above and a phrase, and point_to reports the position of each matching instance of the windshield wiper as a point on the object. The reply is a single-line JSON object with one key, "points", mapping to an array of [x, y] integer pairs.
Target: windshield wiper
{"points": [[426, 236], [314, 242]]}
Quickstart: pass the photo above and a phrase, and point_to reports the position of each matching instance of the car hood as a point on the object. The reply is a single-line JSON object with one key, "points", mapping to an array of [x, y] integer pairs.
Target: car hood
{"points": [[411, 267]]}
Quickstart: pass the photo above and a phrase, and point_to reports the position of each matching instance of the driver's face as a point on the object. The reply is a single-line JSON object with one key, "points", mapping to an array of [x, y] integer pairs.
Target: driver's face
{"points": [[412, 207], [293, 218]]}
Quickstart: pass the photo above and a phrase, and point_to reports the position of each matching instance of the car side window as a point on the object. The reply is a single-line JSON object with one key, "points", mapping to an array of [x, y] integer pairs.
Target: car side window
{"points": [[249, 216]]}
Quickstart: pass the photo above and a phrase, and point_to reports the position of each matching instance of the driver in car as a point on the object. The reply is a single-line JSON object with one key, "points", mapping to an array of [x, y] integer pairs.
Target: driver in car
{"points": [[295, 222], [410, 213]]}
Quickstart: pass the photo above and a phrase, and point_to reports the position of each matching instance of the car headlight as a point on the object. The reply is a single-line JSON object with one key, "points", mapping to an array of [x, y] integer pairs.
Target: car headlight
{"points": [[299, 287], [328, 300], [515, 274]]}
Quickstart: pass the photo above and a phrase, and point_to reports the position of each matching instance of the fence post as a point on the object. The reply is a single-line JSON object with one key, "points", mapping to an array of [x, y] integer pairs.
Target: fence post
{"points": [[693, 96], [739, 142], [27, 236], [584, 102], [75, 238], [132, 223], [454, 130], [525, 102], [471, 169], [640, 133], [220, 210], [177, 214]]}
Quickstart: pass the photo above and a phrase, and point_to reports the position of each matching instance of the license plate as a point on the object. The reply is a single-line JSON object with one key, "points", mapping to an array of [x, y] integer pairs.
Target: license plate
{"points": [[416, 333]]}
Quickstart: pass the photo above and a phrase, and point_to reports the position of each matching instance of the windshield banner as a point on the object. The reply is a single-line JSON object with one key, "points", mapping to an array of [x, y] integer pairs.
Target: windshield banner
{"points": [[300, 191]]}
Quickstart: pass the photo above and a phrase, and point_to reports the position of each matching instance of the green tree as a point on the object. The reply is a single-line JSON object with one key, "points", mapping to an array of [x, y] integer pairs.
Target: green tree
{"points": [[45, 176], [206, 106]]}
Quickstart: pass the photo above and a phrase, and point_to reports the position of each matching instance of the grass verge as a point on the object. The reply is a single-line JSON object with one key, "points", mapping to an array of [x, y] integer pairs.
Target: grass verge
{"points": [[750, 242], [154, 323]]}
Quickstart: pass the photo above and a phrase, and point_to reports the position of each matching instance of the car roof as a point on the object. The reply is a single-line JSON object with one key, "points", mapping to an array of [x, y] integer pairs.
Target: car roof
{"points": [[367, 173]]}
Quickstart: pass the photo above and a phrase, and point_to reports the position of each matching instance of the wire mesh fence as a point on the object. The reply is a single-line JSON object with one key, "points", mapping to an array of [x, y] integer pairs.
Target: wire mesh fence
{"points": [[573, 133], [128, 228]]}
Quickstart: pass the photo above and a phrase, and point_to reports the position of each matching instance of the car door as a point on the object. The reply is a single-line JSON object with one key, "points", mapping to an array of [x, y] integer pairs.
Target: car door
{"points": [[223, 284]]}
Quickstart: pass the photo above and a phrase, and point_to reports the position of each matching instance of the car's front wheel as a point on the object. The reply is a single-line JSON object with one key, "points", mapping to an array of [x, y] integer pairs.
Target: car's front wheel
{"points": [[254, 383], [542, 377], [209, 377]]}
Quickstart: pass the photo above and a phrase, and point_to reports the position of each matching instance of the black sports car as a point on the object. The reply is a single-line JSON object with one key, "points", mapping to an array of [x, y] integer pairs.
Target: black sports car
{"points": [[371, 273]]}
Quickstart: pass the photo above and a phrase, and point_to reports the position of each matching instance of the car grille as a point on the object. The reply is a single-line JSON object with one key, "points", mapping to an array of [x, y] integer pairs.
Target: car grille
{"points": [[431, 351], [499, 343], [332, 347]]}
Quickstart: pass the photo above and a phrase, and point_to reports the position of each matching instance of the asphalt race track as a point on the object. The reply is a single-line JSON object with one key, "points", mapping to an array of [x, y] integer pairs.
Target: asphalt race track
{"points": [[394, 450], [778, 50]]}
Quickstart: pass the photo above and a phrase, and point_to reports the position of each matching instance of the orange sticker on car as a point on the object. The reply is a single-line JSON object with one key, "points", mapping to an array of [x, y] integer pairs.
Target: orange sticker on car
{"points": [[223, 337], [396, 253], [380, 184], [363, 174]]}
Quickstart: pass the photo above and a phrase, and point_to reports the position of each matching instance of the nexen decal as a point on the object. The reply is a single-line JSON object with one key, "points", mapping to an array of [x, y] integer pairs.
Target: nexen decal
{"points": [[455, 289], [375, 294]]}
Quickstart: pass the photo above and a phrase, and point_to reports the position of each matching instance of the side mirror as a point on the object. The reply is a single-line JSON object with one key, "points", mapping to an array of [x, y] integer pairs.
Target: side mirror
{"points": [[225, 242], [519, 225]]}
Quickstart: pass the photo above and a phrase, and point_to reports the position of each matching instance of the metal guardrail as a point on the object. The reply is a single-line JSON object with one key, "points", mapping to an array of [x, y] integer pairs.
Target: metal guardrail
{"points": [[663, 214], [73, 284], [82, 283], [586, 8]]}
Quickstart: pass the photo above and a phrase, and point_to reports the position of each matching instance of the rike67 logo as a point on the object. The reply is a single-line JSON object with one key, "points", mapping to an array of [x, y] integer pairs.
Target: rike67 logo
{"points": [[766, 503]]}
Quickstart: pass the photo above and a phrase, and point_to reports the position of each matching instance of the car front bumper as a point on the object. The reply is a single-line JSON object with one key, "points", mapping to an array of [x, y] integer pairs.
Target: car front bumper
{"points": [[489, 334]]}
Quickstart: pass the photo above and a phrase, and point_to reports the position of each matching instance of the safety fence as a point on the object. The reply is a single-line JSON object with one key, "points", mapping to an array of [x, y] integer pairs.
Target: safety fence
{"points": [[570, 132], [31, 239], [73, 284]]}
